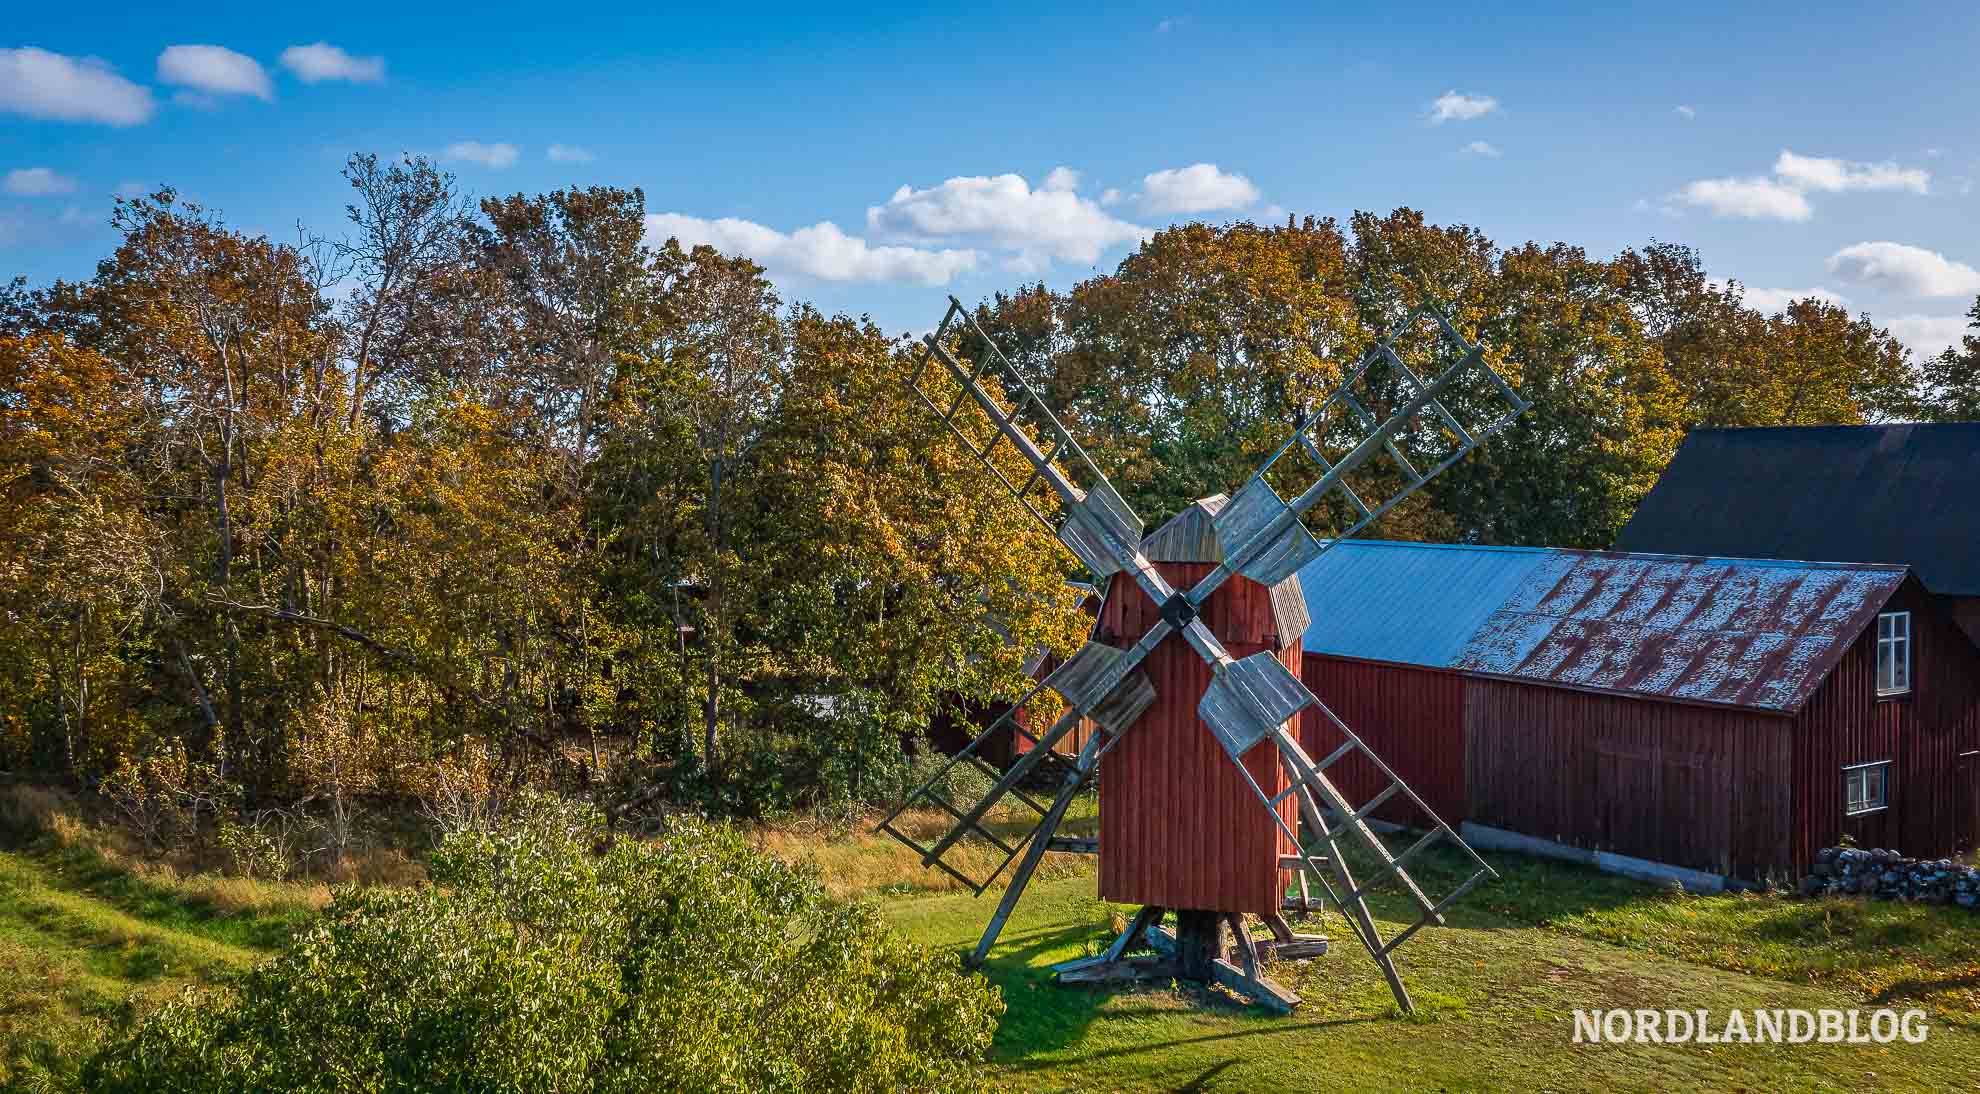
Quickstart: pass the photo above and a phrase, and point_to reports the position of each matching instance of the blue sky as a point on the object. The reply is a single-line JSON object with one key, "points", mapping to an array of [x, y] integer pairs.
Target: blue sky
{"points": [[877, 161]]}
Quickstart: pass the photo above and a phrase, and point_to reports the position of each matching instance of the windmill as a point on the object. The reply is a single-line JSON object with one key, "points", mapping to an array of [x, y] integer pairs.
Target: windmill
{"points": [[1213, 781]]}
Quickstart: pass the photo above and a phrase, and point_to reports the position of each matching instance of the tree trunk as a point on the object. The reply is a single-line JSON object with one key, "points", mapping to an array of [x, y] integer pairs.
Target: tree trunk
{"points": [[712, 706]]}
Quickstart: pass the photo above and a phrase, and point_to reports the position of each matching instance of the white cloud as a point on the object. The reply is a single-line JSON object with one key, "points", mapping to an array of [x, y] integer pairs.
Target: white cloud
{"points": [[131, 188], [1004, 211], [1453, 107], [1480, 148], [1060, 178], [821, 251], [487, 155], [569, 153], [1834, 175], [1198, 188], [1687, 113], [1776, 300], [41, 84], [1907, 269], [1784, 195], [1760, 198], [322, 61], [1110, 196], [1928, 335], [215, 70], [37, 182]]}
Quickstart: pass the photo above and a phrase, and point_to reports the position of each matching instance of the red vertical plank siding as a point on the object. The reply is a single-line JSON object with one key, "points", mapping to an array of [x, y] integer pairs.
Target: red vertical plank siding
{"points": [[1683, 784], [1413, 718], [1179, 826], [1921, 733]]}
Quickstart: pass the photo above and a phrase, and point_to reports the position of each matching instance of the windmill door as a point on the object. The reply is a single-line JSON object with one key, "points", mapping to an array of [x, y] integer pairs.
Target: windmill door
{"points": [[1966, 800]]}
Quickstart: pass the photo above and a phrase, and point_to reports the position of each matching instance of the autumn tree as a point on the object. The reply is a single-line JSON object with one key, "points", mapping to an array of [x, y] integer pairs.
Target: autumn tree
{"points": [[1951, 380]]}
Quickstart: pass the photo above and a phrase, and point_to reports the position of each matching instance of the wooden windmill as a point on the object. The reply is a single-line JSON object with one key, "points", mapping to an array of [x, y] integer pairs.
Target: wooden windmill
{"points": [[1190, 676]]}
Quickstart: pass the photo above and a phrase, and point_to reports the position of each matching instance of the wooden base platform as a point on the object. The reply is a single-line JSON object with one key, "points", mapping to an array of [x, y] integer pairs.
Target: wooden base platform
{"points": [[1199, 950]]}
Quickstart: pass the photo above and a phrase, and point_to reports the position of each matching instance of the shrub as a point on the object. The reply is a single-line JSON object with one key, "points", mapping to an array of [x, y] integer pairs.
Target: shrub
{"points": [[544, 959]]}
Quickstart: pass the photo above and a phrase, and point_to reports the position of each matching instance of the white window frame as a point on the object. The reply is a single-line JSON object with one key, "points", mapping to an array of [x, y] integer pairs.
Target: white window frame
{"points": [[1894, 652], [1857, 804]]}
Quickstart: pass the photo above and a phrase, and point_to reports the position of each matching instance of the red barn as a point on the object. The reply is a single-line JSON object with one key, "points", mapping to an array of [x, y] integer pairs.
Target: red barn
{"points": [[1728, 716]]}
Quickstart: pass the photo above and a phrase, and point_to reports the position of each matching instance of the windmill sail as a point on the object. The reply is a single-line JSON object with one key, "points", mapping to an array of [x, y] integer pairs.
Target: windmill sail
{"points": [[1264, 537]]}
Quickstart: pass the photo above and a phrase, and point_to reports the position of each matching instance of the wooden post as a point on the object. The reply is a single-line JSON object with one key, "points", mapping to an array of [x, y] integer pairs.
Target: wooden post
{"points": [[1199, 943]]}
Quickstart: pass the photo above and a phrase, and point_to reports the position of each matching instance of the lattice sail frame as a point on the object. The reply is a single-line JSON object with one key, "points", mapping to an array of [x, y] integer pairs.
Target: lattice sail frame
{"points": [[1262, 536]]}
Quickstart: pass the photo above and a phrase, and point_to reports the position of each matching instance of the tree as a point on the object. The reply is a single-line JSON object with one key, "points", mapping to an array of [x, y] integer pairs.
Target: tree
{"points": [[1951, 381]]}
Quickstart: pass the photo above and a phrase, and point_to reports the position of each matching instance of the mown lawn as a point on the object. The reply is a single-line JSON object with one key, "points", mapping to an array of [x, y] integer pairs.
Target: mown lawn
{"points": [[1495, 998]]}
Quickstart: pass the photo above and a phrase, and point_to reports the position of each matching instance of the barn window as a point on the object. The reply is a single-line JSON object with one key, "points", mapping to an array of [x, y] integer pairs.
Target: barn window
{"points": [[1866, 788], [1893, 653]]}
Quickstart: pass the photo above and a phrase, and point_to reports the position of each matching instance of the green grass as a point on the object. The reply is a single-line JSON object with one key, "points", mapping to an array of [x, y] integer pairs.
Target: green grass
{"points": [[87, 937], [83, 943], [1495, 998]]}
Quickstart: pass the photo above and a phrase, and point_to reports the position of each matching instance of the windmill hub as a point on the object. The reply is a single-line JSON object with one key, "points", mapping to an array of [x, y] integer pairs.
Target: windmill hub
{"points": [[1177, 611]]}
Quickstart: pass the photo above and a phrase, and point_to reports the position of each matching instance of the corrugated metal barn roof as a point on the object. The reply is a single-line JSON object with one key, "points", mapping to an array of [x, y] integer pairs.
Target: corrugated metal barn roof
{"points": [[1741, 632], [1905, 494], [1712, 630], [1413, 603]]}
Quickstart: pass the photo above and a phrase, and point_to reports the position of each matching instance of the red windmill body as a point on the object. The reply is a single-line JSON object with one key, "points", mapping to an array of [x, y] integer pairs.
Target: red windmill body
{"points": [[1180, 825]]}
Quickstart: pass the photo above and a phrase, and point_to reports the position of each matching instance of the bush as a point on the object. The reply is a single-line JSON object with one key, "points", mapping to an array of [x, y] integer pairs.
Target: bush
{"points": [[544, 959]]}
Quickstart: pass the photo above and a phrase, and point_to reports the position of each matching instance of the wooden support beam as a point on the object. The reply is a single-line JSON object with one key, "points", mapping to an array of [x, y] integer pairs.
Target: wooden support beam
{"points": [[1040, 841]]}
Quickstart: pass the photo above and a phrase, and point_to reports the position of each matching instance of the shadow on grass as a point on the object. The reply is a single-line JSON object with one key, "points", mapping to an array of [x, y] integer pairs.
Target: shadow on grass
{"points": [[82, 871]]}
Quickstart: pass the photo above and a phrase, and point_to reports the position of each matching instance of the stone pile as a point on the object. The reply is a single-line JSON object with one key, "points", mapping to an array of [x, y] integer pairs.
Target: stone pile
{"points": [[1887, 875]]}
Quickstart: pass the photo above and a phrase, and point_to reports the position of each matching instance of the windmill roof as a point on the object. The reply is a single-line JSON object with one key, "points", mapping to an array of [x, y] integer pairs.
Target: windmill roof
{"points": [[1755, 633], [1190, 536], [1905, 494]]}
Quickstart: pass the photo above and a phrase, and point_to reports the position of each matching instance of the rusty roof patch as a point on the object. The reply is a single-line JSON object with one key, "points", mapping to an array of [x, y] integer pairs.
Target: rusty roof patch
{"points": [[1741, 632]]}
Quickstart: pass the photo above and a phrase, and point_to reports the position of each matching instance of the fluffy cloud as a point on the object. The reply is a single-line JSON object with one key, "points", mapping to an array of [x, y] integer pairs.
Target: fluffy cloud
{"points": [[36, 182], [214, 70], [1453, 107], [1004, 211], [1834, 175], [1784, 195], [487, 155], [1060, 178], [1761, 198], [1928, 335], [1197, 188], [1775, 300], [1480, 148], [568, 153], [1906, 269], [821, 251], [322, 61], [41, 84]]}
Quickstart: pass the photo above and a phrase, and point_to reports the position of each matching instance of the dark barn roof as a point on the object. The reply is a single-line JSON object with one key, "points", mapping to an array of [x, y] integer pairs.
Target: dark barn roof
{"points": [[1903, 494]]}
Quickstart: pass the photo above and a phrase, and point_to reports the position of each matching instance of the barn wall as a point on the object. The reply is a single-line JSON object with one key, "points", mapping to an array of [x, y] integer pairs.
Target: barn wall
{"points": [[1687, 785], [1413, 718], [1923, 734], [1179, 826]]}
